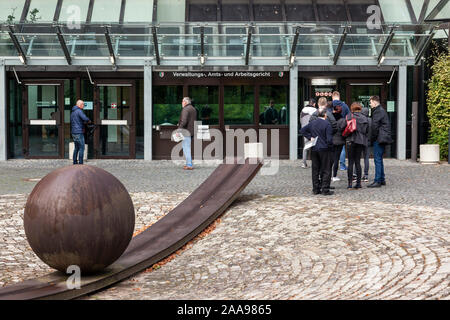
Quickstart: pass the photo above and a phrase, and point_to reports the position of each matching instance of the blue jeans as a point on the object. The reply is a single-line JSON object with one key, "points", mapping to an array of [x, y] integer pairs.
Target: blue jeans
{"points": [[378, 151], [78, 140], [342, 159], [187, 150]]}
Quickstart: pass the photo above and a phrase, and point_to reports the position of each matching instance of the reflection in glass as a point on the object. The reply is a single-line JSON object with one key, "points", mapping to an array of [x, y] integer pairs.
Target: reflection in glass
{"points": [[15, 120], [10, 11], [300, 10], [138, 11], [238, 104], [395, 11], [115, 104], [206, 101], [267, 10], [74, 11], [203, 10], [235, 10], [87, 45], [271, 44], [362, 93], [358, 9], [274, 107], [43, 105], [41, 45], [41, 11], [139, 116], [167, 104], [331, 10], [171, 11], [106, 11]]}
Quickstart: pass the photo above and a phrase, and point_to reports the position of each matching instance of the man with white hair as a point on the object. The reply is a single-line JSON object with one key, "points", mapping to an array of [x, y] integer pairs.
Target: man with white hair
{"points": [[77, 120]]}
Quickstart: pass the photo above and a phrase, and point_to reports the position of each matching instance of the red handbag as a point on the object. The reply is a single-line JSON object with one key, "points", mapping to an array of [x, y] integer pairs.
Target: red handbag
{"points": [[350, 128]]}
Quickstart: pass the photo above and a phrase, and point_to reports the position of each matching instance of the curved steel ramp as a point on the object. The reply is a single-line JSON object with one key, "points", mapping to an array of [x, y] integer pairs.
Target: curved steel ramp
{"points": [[163, 238]]}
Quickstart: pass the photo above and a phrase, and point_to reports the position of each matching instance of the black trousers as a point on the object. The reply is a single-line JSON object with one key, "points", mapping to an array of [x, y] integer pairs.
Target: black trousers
{"points": [[354, 152], [336, 155], [321, 170]]}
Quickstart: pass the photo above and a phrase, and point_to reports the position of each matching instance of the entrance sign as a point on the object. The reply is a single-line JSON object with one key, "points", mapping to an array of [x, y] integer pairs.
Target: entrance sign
{"points": [[230, 74], [113, 105], [391, 106], [88, 105]]}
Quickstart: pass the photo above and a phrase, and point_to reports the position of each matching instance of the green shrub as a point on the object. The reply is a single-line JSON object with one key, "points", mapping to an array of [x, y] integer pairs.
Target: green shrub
{"points": [[438, 103]]}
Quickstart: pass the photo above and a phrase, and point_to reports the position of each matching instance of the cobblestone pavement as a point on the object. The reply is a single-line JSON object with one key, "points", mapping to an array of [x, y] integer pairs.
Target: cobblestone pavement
{"points": [[408, 183], [277, 241]]}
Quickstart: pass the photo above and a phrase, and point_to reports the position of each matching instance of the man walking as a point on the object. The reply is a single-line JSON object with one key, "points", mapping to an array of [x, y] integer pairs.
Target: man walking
{"points": [[305, 115], [380, 137], [187, 119], [77, 120], [321, 151]]}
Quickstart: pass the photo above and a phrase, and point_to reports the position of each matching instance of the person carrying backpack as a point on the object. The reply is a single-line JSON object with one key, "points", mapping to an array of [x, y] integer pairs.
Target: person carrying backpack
{"points": [[356, 140]]}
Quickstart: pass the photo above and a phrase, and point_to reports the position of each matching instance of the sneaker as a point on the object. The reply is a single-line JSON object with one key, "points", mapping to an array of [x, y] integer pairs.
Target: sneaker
{"points": [[304, 165], [188, 168], [365, 179], [328, 193], [343, 168], [334, 179]]}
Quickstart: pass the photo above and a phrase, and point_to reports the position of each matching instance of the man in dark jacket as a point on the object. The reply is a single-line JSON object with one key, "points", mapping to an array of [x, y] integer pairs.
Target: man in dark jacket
{"points": [[77, 120], [320, 152], [187, 119], [380, 137]]}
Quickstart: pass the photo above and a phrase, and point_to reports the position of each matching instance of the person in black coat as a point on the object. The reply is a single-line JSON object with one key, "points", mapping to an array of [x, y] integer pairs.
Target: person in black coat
{"points": [[380, 137], [356, 142], [320, 152]]}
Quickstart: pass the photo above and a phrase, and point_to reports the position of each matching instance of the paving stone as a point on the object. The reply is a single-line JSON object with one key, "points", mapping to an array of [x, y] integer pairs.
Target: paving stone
{"points": [[276, 241]]}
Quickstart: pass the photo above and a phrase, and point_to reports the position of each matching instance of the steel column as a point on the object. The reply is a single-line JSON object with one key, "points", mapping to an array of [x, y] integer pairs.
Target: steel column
{"points": [[148, 102], [293, 112], [3, 118], [401, 111]]}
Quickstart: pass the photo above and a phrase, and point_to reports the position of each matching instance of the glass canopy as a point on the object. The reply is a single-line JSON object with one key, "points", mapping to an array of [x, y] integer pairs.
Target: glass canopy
{"points": [[215, 40]]}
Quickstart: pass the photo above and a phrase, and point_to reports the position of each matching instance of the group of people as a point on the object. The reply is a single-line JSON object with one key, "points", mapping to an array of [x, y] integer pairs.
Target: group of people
{"points": [[331, 125]]}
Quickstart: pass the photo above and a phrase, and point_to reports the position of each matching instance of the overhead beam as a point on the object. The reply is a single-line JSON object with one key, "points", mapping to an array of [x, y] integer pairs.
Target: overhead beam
{"points": [[436, 10], [22, 55], [155, 45], [423, 12], [382, 54], [294, 47], [424, 47], [202, 45], [112, 56], [62, 42], [249, 40], [340, 46]]}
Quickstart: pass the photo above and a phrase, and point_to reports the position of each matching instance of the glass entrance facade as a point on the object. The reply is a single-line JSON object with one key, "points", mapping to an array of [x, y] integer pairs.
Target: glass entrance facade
{"points": [[128, 39]]}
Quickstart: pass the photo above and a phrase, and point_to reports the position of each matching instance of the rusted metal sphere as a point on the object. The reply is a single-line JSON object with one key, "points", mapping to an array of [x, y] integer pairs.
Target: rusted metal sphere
{"points": [[79, 215]]}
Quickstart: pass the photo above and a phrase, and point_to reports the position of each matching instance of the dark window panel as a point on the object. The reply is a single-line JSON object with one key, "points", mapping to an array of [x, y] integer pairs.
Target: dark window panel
{"points": [[235, 11], [202, 10], [300, 10], [331, 10], [358, 9], [267, 10]]}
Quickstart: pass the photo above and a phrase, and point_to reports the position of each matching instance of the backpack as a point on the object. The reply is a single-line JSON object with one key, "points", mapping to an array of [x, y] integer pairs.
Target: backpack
{"points": [[350, 128]]}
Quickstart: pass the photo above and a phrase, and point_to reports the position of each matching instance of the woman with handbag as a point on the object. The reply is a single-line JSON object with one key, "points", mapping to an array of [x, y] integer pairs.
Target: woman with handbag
{"points": [[356, 133]]}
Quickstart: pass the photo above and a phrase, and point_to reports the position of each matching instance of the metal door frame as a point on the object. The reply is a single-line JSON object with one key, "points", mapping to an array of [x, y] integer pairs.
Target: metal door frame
{"points": [[26, 120], [132, 124]]}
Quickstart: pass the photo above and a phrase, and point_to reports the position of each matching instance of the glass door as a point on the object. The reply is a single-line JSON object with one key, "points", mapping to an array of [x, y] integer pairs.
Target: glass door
{"points": [[114, 110], [42, 111]]}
